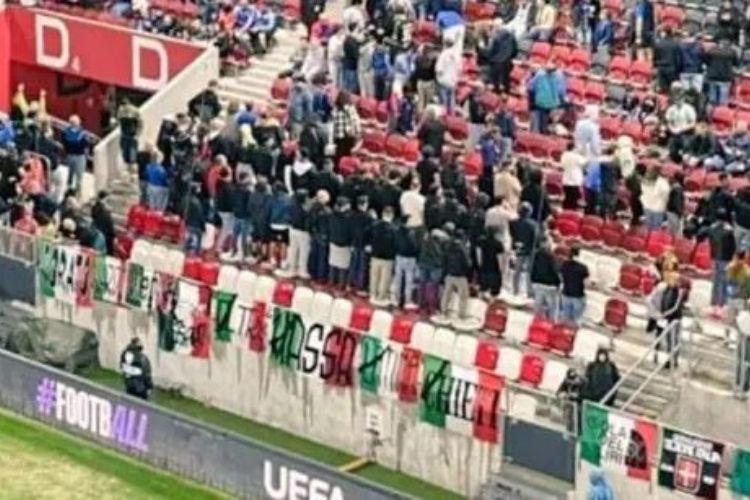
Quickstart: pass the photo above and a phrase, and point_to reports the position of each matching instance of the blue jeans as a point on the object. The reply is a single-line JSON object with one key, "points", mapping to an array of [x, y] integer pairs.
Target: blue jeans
{"points": [[406, 269], [522, 267], [429, 294], [193, 240], [77, 165], [350, 80], [158, 196], [545, 301], [692, 81], [447, 97], [128, 149], [742, 236], [654, 220], [358, 268], [718, 93], [571, 309], [243, 234], [318, 264], [539, 120], [719, 283]]}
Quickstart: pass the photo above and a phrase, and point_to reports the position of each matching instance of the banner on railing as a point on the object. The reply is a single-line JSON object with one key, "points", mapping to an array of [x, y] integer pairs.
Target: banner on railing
{"points": [[617, 442], [690, 464]]}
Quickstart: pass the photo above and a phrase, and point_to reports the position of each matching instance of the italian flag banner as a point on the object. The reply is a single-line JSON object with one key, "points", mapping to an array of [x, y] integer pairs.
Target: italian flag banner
{"points": [[109, 279], [388, 369], [224, 305], [619, 443], [47, 267], [463, 400], [183, 318], [74, 274], [740, 482], [140, 287]]}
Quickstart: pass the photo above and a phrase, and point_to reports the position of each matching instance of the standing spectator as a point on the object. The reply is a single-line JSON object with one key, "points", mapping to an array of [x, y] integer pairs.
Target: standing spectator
{"points": [[412, 204], [424, 75], [361, 222], [544, 24], [195, 222], [382, 243], [206, 106], [681, 120], [665, 306], [738, 290], [431, 133], [311, 11], [691, 70], [75, 145], [536, 196], [545, 282], [278, 224], [572, 166], [720, 62], [721, 200], [667, 59], [340, 247], [477, 114], [101, 219], [524, 233], [507, 187], [260, 212], [742, 219], [676, 205], [129, 120], [604, 33], [224, 205], [654, 196], [299, 236], [366, 62], [505, 120], [546, 94], [301, 173], [381, 69], [402, 287], [300, 106], [588, 139], [574, 274], [350, 59], [729, 20], [501, 52], [320, 215], [490, 263], [136, 370], [723, 247], [158, 184], [601, 377], [243, 229], [346, 126], [571, 392], [642, 27], [457, 268], [430, 262], [447, 73]]}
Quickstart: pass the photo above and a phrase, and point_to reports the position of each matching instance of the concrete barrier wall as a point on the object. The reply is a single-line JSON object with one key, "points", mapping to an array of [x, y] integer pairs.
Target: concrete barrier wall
{"points": [[242, 382]]}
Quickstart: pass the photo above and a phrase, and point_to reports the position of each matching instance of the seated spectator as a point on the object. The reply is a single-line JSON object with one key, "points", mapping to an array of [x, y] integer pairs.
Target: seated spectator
{"points": [[681, 120], [704, 149], [737, 149]]}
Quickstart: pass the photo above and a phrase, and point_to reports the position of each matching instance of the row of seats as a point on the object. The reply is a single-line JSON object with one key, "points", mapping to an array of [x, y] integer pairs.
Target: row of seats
{"points": [[154, 224]]}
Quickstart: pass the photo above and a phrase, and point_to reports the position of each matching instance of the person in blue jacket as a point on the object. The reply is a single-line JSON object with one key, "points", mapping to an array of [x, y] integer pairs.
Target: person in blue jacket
{"points": [[75, 144], [599, 487], [7, 135]]}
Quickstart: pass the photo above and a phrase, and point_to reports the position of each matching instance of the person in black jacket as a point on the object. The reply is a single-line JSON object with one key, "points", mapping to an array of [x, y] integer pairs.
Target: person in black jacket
{"points": [[667, 59], [136, 370], [721, 200], [742, 219], [676, 205], [361, 221], [720, 62], [259, 208], [534, 194], [299, 236], [501, 52], [432, 133], [402, 286], [545, 281], [723, 246], [310, 11], [457, 269], [205, 106], [601, 376], [224, 204], [320, 214], [340, 245], [195, 222], [491, 251], [382, 243], [524, 233], [101, 218], [243, 229]]}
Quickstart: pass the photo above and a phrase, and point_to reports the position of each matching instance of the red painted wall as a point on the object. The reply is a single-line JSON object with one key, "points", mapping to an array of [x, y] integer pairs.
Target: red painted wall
{"points": [[5, 88]]}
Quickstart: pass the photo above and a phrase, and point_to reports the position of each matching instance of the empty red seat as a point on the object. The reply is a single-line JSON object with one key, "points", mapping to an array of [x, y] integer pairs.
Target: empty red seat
{"points": [[612, 233], [496, 318], [374, 142], [137, 218], [361, 317], [283, 293], [684, 249], [672, 16], [209, 272], [487, 355], [619, 68], [473, 164], [191, 268], [632, 129], [657, 242], [280, 89], [580, 61], [560, 55], [539, 332], [568, 224], [742, 92], [348, 165], [641, 72], [591, 228], [648, 282], [424, 31], [562, 337], [539, 53], [695, 180], [152, 223], [616, 314], [576, 90], [553, 183], [722, 118], [610, 127], [367, 107], [382, 114], [411, 150], [634, 240], [595, 92], [457, 126], [173, 228], [394, 146], [532, 369], [630, 278], [401, 328], [702, 257]]}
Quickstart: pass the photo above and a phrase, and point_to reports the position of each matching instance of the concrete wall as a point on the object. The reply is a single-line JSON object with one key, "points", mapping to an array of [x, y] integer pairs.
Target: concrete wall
{"points": [[242, 382]]}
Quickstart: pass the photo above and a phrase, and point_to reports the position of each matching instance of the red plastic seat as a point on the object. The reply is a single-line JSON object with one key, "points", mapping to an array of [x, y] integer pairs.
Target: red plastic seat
{"points": [[641, 72], [367, 108], [580, 61], [634, 240], [496, 318], [610, 127], [562, 338], [473, 164], [457, 127], [672, 16], [630, 278], [348, 165], [425, 31], [394, 146], [722, 118], [518, 76], [374, 142], [382, 114], [123, 246], [648, 282], [410, 153], [191, 268], [553, 183], [684, 249], [556, 146], [540, 52], [137, 218], [560, 55], [568, 224], [283, 293], [695, 180], [616, 314], [614, 7], [657, 242], [702, 257], [595, 92], [612, 233], [280, 89], [487, 355], [532, 369], [152, 223], [209, 272], [361, 317], [576, 90], [401, 328], [632, 129], [742, 93], [591, 228], [539, 332], [619, 68]]}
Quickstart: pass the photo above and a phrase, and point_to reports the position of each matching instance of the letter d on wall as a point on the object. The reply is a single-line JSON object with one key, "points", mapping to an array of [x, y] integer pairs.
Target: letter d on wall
{"points": [[44, 25], [141, 45]]}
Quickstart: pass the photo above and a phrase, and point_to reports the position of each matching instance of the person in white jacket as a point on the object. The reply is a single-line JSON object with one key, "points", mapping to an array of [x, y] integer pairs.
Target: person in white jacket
{"points": [[654, 195], [447, 73], [335, 54], [314, 62]]}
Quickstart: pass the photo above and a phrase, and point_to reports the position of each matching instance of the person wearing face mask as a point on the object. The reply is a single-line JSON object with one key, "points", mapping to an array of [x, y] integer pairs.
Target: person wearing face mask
{"points": [[601, 376], [571, 391], [666, 304]]}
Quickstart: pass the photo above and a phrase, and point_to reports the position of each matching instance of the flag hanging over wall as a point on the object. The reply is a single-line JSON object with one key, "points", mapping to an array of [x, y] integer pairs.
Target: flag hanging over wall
{"points": [[690, 464], [140, 286], [108, 282], [388, 369], [66, 273], [47, 267], [224, 303], [454, 397], [740, 482], [83, 278], [183, 317], [619, 443]]}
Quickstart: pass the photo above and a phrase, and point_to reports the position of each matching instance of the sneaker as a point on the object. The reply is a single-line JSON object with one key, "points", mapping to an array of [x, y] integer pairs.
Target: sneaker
{"points": [[411, 306]]}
